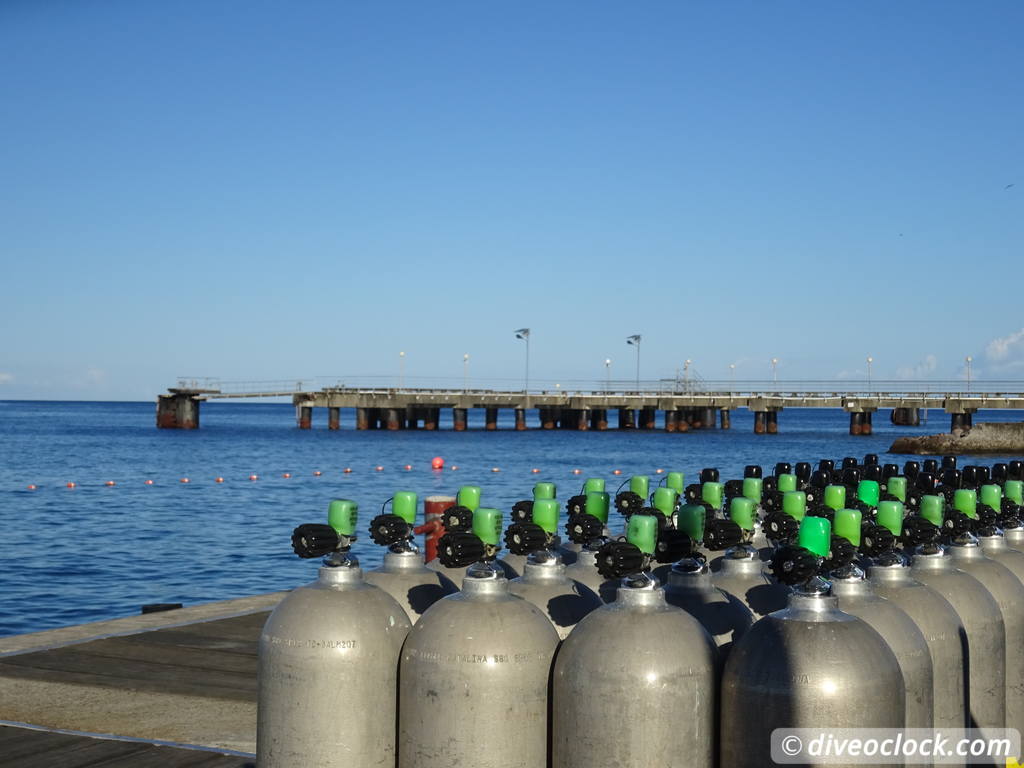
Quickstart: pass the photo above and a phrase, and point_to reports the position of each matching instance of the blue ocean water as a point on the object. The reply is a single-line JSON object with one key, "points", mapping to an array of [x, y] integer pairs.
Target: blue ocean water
{"points": [[95, 552]]}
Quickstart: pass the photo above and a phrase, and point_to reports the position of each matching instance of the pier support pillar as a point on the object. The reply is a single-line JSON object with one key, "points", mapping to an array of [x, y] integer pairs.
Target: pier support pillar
{"points": [[305, 415], [177, 411], [599, 419], [490, 419], [906, 417], [362, 418], [726, 418], [459, 419], [682, 423], [773, 422], [760, 422], [670, 421], [855, 422], [547, 417], [865, 423], [627, 418], [582, 419], [648, 417], [520, 419], [412, 417], [430, 418], [392, 419], [962, 421], [710, 418], [334, 418]]}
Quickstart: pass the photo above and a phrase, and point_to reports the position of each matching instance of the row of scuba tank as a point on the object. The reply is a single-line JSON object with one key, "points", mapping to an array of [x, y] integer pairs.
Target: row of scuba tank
{"points": [[848, 596]]}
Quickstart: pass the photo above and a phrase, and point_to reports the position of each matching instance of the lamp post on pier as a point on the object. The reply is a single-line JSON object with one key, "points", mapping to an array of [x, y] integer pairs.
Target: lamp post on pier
{"points": [[607, 374], [635, 341], [465, 372], [524, 333]]}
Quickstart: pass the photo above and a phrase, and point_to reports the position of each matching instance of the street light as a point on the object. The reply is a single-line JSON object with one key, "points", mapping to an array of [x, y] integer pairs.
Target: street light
{"points": [[635, 341], [607, 374], [870, 360], [968, 360], [686, 374], [524, 333], [732, 376], [465, 372], [775, 370], [401, 369]]}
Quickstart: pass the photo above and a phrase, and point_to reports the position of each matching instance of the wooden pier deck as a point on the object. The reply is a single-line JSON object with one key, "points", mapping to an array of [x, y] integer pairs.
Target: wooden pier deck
{"points": [[170, 689]]}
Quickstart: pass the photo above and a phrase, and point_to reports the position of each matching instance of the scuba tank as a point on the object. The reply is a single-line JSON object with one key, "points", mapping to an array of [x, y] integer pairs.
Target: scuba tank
{"points": [[742, 575], [472, 657], [808, 665], [403, 575], [588, 530], [543, 581], [689, 587], [327, 641], [984, 631], [1013, 492], [460, 518], [659, 670]]}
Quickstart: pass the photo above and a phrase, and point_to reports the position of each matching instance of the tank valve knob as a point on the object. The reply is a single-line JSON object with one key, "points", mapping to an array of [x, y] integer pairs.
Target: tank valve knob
{"points": [[733, 489], [876, 539], [576, 504], [672, 545], [794, 565], [389, 529], [628, 503], [657, 514], [619, 558], [583, 527], [918, 531], [721, 534], [524, 538], [778, 526], [692, 493], [522, 511], [457, 519], [820, 510], [314, 540], [957, 523], [841, 553], [987, 517], [457, 550]]}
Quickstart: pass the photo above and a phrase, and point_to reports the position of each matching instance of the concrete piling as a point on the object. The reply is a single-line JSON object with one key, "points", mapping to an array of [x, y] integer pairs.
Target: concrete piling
{"points": [[459, 419], [305, 416], [627, 418], [648, 415], [334, 418], [599, 419], [773, 422], [392, 419], [490, 419], [760, 422], [177, 411], [520, 419], [725, 418], [670, 421]]}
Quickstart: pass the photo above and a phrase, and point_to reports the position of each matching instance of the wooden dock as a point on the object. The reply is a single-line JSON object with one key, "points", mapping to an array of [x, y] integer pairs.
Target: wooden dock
{"points": [[169, 689]]}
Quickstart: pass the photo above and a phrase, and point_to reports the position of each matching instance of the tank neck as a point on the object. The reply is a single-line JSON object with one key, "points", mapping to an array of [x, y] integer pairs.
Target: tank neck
{"points": [[994, 543], [586, 558], [403, 561], [484, 580], [692, 575], [642, 592], [890, 573], [932, 559], [850, 582], [340, 573], [1014, 537], [813, 606], [545, 569], [745, 563], [966, 549]]}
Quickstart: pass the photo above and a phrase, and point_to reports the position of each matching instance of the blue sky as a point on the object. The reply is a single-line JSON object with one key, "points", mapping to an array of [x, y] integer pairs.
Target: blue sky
{"points": [[276, 190]]}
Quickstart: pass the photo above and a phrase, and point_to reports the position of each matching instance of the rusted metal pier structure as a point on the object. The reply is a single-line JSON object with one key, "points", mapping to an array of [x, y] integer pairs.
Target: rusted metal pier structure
{"points": [[660, 408]]}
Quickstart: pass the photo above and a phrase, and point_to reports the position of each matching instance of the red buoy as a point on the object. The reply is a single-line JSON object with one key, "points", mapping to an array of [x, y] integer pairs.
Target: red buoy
{"points": [[71, 485], [185, 480], [437, 463], [109, 483], [31, 487], [218, 480], [408, 467], [254, 477], [286, 475], [149, 482], [347, 470], [317, 473], [379, 468], [616, 471], [535, 471]]}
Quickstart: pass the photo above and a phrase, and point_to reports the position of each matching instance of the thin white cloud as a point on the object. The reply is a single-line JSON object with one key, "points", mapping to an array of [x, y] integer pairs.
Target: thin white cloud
{"points": [[922, 369], [1006, 348], [6, 378]]}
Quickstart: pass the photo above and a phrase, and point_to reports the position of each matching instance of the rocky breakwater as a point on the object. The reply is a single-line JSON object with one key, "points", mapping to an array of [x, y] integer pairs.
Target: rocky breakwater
{"points": [[981, 438]]}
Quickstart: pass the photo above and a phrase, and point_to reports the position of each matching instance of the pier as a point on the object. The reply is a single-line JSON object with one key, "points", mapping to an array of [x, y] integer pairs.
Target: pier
{"points": [[672, 406]]}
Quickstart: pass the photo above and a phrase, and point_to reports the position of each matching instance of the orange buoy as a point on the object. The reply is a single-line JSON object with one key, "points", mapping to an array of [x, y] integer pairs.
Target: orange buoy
{"points": [[254, 477], [218, 479], [535, 471], [577, 471], [185, 480], [71, 485], [616, 471], [495, 469], [408, 467], [286, 475], [658, 471], [454, 467], [379, 468], [31, 487], [109, 483], [149, 482], [317, 473], [437, 463], [347, 470]]}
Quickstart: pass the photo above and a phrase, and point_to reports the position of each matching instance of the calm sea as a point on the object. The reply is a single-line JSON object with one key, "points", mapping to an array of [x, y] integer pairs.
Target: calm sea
{"points": [[95, 552]]}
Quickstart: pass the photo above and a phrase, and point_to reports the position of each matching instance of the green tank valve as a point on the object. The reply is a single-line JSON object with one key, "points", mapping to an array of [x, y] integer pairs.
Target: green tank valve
{"points": [[665, 500], [691, 521], [640, 485], [677, 481], [543, 491], [753, 489], [487, 525], [890, 515], [816, 535], [1014, 490], [593, 484], [642, 532], [794, 504], [966, 500], [468, 497], [992, 495], [545, 514], [342, 516], [742, 511], [869, 492], [596, 504], [712, 494], [835, 496], [785, 483], [404, 505], [847, 525], [933, 509], [897, 486]]}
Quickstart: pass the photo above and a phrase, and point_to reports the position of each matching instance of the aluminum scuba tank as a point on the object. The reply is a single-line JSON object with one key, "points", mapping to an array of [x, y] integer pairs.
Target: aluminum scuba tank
{"points": [[588, 532], [661, 672], [474, 679], [808, 665], [743, 575], [543, 581], [326, 644], [403, 575]]}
